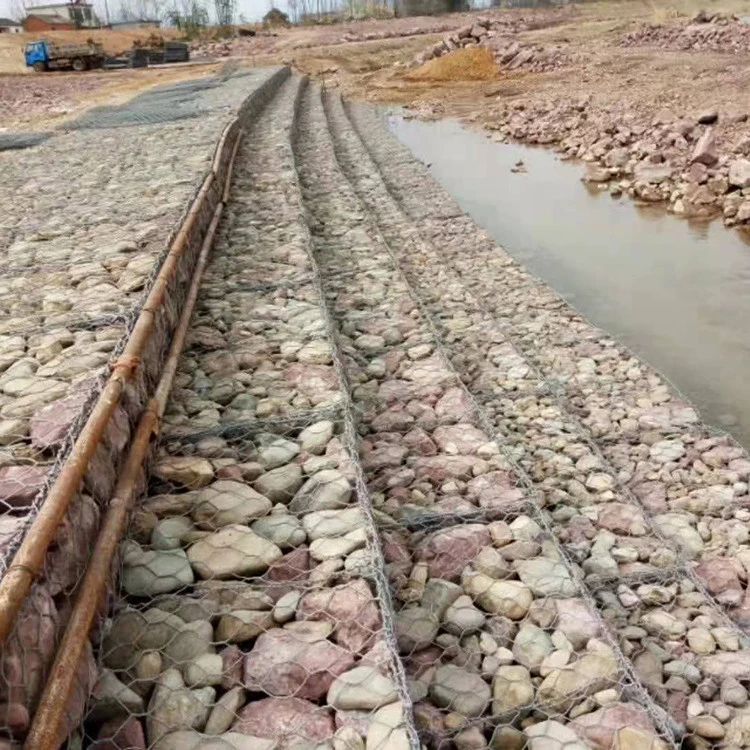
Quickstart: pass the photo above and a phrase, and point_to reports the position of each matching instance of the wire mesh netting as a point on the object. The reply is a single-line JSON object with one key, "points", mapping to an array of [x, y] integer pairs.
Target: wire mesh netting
{"points": [[68, 301], [380, 517]]}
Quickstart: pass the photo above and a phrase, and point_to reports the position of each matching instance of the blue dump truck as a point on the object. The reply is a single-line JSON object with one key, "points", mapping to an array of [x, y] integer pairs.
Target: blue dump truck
{"points": [[43, 55]]}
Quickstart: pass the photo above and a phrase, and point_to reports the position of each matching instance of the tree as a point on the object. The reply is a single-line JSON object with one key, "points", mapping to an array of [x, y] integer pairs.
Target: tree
{"points": [[140, 10], [189, 16]]}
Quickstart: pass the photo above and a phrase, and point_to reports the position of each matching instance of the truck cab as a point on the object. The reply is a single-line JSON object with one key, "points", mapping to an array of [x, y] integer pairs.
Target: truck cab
{"points": [[37, 55]]}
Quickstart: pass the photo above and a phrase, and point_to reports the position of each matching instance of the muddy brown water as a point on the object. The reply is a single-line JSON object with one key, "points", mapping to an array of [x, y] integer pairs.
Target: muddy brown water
{"points": [[676, 293]]}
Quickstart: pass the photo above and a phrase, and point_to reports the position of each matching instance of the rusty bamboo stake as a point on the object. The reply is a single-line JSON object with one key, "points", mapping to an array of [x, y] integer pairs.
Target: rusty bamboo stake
{"points": [[47, 722]]}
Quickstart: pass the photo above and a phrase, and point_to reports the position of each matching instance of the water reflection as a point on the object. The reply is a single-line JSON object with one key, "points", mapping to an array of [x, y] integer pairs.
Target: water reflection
{"points": [[676, 292]]}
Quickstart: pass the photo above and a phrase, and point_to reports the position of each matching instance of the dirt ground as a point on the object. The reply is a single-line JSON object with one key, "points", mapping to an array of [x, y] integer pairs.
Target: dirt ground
{"points": [[371, 60]]}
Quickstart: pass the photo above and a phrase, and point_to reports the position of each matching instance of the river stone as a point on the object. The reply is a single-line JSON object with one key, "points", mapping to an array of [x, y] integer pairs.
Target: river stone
{"points": [[120, 733], [448, 552], [546, 577], [461, 691], [350, 608], [279, 485], [227, 502], [601, 728], [386, 729], [332, 523], [327, 490], [678, 528], [592, 671], [152, 572], [348, 738], [204, 670], [509, 598], [733, 693], [361, 689], [286, 721], [111, 698], [462, 617], [328, 549], [192, 640], [531, 646], [185, 471], [552, 735], [416, 629], [283, 529], [278, 453], [286, 607], [243, 625], [316, 437], [225, 711], [576, 621], [232, 551], [134, 631], [283, 664], [663, 624], [438, 595], [511, 688], [173, 706], [723, 665], [168, 533], [507, 738]]}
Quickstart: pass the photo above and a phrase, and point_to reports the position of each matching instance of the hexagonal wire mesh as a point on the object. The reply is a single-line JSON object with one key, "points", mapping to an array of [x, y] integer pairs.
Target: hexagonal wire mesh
{"points": [[339, 539], [55, 353]]}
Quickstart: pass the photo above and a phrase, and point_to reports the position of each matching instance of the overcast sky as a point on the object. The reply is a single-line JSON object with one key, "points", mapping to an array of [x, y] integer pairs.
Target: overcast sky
{"points": [[252, 10]]}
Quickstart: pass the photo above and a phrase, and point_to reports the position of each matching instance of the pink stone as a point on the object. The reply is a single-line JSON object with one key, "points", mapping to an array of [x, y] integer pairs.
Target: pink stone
{"points": [[439, 468], [291, 569], [283, 664], [394, 547], [26, 656], [576, 621], [288, 721], [394, 391], [420, 442], [232, 658], [52, 423], [19, 485], [719, 575], [448, 552], [453, 406], [393, 420], [66, 561], [311, 380], [620, 518], [464, 437], [653, 495], [382, 456], [350, 607], [121, 734], [600, 728]]}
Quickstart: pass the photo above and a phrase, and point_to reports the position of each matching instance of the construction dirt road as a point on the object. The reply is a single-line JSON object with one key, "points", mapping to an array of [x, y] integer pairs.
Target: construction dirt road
{"points": [[364, 482]]}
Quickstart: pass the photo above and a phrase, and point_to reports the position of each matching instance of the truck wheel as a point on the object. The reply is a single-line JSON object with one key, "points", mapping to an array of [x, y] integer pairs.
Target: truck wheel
{"points": [[79, 65], [39, 66]]}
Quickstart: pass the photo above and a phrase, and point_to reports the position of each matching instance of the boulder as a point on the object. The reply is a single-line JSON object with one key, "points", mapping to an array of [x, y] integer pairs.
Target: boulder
{"points": [[282, 663], [459, 691], [287, 721], [350, 608], [361, 689], [705, 151], [227, 502], [448, 552], [326, 490], [232, 551]]}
